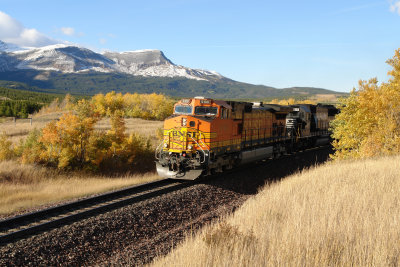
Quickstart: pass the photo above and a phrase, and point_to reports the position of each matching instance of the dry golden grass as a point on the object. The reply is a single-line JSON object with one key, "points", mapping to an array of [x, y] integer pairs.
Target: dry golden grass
{"points": [[26, 186], [338, 214], [20, 129]]}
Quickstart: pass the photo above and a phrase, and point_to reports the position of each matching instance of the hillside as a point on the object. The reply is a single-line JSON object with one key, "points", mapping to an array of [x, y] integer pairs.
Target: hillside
{"points": [[338, 214], [93, 83]]}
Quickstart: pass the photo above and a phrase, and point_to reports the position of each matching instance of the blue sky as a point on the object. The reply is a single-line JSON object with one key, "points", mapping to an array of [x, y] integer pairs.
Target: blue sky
{"points": [[327, 44]]}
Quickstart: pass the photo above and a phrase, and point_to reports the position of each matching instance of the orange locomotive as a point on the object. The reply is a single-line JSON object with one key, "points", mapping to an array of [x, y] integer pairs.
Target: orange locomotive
{"points": [[205, 135]]}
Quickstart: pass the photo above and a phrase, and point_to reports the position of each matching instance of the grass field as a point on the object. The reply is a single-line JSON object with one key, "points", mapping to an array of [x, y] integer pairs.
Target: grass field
{"points": [[338, 214], [24, 187]]}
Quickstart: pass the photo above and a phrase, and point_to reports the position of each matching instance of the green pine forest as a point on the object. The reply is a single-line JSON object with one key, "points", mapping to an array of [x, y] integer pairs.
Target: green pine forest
{"points": [[21, 103]]}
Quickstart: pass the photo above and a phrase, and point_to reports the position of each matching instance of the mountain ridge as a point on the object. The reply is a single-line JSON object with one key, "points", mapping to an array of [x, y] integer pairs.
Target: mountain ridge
{"points": [[64, 68], [72, 59]]}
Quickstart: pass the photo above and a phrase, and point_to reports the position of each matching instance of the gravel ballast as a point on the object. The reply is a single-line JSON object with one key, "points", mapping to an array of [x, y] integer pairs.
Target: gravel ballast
{"points": [[135, 234]]}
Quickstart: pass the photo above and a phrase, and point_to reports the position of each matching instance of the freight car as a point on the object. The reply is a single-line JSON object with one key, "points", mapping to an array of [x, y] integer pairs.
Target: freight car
{"points": [[204, 136]]}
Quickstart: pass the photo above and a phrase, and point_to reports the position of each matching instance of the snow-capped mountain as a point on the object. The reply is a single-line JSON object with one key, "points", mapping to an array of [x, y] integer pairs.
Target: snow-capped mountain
{"points": [[153, 63], [62, 58], [74, 59]]}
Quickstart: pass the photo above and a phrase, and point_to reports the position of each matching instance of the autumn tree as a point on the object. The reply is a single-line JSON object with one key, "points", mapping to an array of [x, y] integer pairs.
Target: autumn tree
{"points": [[291, 101], [115, 149], [369, 120], [66, 140], [56, 105]]}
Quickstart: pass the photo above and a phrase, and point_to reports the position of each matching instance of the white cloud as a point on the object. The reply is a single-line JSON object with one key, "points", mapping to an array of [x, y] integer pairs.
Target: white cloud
{"points": [[395, 6], [12, 31], [68, 31], [103, 40]]}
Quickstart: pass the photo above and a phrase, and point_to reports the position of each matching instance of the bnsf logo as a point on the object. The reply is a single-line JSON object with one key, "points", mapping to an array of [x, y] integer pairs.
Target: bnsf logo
{"points": [[183, 134]]}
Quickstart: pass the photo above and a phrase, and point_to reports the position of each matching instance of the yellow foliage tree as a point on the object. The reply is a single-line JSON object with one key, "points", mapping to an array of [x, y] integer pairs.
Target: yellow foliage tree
{"points": [[57, 106], [66, 141], [291, 101], [146, 106], [115, 149], [369, 120]]}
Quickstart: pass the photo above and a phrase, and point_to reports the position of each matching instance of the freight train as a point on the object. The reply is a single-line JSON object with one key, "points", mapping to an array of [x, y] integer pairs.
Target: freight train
{"points": [[205, 136]]}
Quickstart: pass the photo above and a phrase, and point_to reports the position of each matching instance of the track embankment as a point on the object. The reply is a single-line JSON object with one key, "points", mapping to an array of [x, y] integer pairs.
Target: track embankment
{"points": [[136, 233]]}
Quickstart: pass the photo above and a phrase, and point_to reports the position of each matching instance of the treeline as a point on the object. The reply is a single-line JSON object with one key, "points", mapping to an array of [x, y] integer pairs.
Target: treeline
{"points": [[16, 94], [368, 124], [145, 106], [19, 108], [20, 103]]}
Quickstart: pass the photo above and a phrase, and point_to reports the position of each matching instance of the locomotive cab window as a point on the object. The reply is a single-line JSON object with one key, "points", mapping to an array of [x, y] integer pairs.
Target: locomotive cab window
{"points": [[183, 110], [208, 111]]}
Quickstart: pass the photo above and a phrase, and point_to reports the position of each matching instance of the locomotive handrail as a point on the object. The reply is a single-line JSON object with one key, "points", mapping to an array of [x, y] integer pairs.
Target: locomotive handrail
{"points": [[201, 139], [204, 153], [157, 149]]}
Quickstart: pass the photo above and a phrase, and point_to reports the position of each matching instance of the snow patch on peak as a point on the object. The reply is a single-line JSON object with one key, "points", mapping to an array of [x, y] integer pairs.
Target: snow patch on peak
{"points": [[142, 51], [54, 46], [213, 72]]}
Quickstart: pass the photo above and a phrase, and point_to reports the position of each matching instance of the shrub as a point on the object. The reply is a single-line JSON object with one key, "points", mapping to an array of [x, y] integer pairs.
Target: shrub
{"points": [[31, 150], [6, 148]]}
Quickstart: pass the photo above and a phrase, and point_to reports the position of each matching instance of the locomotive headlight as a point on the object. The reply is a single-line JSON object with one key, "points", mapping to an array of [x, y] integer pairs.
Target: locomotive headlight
{"points": [[184, 121], [190, 147]]}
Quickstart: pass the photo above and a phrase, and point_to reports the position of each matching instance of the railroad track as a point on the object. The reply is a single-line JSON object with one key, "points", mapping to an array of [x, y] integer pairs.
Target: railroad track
{"points": [[30, 224]]}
